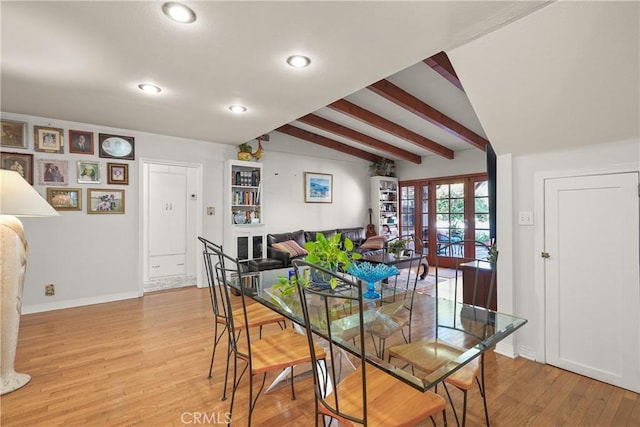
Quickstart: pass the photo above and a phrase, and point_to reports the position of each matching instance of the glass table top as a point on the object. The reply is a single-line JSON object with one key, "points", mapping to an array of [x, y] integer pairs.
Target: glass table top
{"points": [[445, 335]]}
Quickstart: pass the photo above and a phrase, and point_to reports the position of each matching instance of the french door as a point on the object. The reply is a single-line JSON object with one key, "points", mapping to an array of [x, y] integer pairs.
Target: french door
{"points": [[446, 210]]}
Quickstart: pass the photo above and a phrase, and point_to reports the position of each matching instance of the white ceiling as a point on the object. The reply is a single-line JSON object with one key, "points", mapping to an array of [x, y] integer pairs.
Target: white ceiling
{"points": [[82, 61]]}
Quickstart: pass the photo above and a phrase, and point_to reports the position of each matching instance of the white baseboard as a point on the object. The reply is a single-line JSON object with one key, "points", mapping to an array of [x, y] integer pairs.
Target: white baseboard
{"points": [[511, 351], [58, 305]]}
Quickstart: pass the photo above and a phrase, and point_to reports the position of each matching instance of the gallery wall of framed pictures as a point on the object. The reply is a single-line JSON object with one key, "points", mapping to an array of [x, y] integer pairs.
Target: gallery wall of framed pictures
{"points": [[58, 159]]}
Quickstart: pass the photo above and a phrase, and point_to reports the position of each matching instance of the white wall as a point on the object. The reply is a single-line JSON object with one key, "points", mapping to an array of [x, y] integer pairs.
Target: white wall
{"points": [[285, 209], [95, 258], [465, 162]]}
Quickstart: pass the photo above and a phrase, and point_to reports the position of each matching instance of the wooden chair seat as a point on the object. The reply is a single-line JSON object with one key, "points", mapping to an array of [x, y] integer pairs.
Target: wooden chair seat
{"points": [[278, 350], [389, 402], [258, 315]]}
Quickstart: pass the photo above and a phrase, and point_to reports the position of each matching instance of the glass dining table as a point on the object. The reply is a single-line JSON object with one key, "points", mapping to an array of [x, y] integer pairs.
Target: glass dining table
{"points": [[468, 329]]}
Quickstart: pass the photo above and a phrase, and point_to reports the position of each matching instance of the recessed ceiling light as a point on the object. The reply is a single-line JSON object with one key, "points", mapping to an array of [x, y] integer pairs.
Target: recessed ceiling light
{"points": [[237, 108], [149, 88], [179, 12], [298, 61]]}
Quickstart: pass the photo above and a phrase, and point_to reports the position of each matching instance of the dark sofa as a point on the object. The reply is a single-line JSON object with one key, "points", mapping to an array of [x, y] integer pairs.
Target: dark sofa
{"points": [[356, 235]]}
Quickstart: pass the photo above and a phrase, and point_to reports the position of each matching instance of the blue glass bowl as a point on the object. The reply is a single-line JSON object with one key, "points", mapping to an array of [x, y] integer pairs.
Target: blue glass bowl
{"points": [[371, 274]]}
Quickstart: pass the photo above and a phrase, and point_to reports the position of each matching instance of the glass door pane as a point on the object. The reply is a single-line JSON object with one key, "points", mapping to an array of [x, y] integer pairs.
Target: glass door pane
{"points": [[481, 215], [450, 225], [407, 210], [424, 223]]}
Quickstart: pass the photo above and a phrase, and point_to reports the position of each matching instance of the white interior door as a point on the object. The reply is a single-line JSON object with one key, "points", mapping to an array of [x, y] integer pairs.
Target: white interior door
{"points": [[167, 210], [592, 280]]}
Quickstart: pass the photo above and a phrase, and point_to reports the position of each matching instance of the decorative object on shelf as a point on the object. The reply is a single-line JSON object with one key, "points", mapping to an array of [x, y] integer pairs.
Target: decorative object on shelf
{"points": [[372, 274], [383, 167], [244, 151], [116, 147], [18, 162], [330, 254], [18, 199], [260, 151], [318, 187]]}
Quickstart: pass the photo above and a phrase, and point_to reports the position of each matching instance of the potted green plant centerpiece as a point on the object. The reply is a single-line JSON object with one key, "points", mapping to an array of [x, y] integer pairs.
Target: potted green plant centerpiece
{"points": [[397, 247], [330, 254]]}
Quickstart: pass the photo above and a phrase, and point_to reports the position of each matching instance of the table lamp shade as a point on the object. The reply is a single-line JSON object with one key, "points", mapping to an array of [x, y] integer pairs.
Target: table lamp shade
{"points": [[18, 197]]}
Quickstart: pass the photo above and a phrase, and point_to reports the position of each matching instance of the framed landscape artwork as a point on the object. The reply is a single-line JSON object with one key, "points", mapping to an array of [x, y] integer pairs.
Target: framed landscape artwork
{"points": [[19, 162], [13, 134], [65, 199], [101, 201], [48, 140], [53, 172], [318, 187]]}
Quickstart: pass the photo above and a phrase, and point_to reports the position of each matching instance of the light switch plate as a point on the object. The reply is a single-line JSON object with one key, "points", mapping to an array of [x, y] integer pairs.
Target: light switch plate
{"points": [[525, 218]]}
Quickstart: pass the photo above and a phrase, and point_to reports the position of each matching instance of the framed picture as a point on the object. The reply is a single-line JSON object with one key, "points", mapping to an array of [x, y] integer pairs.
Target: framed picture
{"points": [[65, 199], [53, 172], [116, 147], [118, 173], [80, 142], [48, 140], [13, 134], [318, 187], [101, 201], [21, 163], [88, 172]]}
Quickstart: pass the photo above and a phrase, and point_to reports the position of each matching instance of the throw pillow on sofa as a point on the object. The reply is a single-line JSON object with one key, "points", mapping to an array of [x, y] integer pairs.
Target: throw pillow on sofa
{"points": [[374, 242], [291, 247]]}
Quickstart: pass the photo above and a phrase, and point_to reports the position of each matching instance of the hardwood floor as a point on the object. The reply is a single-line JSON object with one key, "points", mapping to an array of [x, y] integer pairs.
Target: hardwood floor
{"points": [[145, 362]]}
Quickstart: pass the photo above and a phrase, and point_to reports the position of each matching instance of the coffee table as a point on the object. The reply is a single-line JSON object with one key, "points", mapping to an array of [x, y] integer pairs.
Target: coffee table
{"points": [[399, 261]]}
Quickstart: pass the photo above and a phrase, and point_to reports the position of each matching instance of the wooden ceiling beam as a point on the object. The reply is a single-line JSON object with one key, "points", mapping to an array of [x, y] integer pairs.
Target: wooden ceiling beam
{"points": [[393, 93], [335, 128], [314, 138], [441, 65], [365, 116]]}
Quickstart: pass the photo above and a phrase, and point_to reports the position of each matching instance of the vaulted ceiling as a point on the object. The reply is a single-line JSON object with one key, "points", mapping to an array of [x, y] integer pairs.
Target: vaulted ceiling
{"points": [[379, 84], [425, 112]]}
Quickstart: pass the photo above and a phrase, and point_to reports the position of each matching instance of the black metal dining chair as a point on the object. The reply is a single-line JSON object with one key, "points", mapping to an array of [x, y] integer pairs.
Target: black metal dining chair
{"points": [[277, 351], [367, 396], [258, 314], [419, 354]]}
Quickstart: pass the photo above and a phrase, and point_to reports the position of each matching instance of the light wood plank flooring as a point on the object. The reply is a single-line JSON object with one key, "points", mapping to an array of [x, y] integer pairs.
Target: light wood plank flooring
{"points": [[145, 362]]}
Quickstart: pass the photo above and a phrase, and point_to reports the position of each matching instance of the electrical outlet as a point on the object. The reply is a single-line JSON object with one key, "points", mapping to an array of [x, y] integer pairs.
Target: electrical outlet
{"points": [[50, 290], [211, 210]]}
